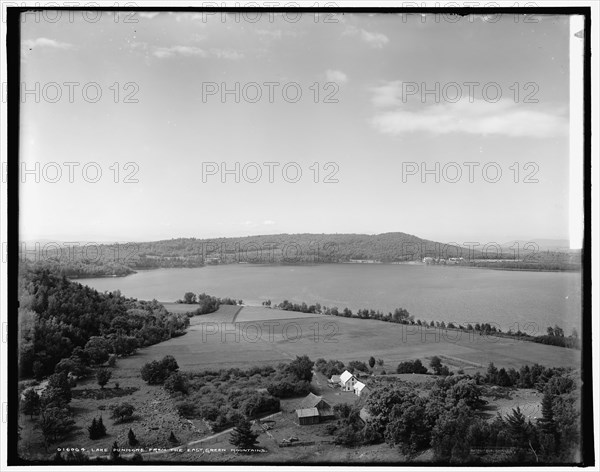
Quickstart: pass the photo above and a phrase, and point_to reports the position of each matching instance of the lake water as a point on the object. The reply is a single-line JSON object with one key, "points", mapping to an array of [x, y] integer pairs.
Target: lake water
{"points": [[456, 294]]}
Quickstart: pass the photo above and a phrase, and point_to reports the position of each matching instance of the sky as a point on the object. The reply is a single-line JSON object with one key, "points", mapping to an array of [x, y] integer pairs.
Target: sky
{"points": [[342, 99]]}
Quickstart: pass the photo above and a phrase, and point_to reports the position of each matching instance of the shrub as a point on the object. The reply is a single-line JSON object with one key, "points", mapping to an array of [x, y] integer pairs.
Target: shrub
{"points": [[30, 404], [288, 388], [97, 348], [103, 376], [259, 403], [354, 366], [122, 412], [177, 382], [411, 367], [186, 409], [156, 372]]}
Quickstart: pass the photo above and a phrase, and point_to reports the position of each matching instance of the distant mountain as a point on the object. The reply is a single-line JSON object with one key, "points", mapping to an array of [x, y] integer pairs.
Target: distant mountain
{"points": [[120, 259], [542, 244]]}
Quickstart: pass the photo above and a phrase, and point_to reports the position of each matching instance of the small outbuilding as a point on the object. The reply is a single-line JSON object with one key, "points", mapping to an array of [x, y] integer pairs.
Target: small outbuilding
{"points": [[308, 416], [313, 406], [360, 389]]}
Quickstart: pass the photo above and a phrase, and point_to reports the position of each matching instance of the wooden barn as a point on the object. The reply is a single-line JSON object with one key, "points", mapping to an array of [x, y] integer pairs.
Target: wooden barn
{"points": [[308, 416], [313, 409]]}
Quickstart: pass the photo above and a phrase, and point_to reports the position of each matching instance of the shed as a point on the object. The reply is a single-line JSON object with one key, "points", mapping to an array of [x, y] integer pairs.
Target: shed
{"points": [[308, 415]]}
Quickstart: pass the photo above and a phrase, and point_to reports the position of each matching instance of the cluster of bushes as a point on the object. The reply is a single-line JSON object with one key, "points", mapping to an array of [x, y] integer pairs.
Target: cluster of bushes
{"points": [[55, 418], [69, 326], [223, 397], [224, 410], [411, 367], [207, 303], [330, 367], [157, 372], [301, 307], [536, 376]]}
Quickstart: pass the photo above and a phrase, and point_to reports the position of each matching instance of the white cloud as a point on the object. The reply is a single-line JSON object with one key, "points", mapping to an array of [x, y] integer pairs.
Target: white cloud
{"points": [[377, 40], [202, 17], [274, 34], [480, 117], [268, 222], [374, 39], [226, 54], [46, 43], [193, 51], [388, 94], [336, 76], [148, 14], [187, 51]]}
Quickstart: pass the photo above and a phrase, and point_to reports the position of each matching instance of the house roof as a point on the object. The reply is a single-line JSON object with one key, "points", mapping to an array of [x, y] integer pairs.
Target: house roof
{"points": [[346, 376], [310, 401], [307, 412], [359, 386], [335, 378]]}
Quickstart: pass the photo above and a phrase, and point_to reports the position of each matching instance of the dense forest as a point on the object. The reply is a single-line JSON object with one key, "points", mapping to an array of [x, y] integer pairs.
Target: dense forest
{"points": [[121, 259], [65, 322]]}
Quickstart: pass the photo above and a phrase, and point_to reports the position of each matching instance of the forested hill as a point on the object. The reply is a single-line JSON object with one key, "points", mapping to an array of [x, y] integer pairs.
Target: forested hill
{"points": [[387, 247], [61, 320], [119, 259]]}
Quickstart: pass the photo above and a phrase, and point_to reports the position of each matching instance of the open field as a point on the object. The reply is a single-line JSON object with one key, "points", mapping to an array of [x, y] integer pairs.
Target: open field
{"points": [[257, 313], [214, 342]]}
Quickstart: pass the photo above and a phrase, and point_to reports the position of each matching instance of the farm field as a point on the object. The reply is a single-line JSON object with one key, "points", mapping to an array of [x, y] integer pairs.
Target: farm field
{"points": [[213, 342], [155, 414]]}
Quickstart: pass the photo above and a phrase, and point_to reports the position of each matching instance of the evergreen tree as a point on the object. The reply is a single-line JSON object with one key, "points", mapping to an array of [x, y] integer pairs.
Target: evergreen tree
{"points": [[173, 439], [114, 453], [131, 438], [30, 404], [242, 436], [101, 428], [93, 429], [492, 373], [547, 427], [518, 427], [546, 423], [97, 429]]}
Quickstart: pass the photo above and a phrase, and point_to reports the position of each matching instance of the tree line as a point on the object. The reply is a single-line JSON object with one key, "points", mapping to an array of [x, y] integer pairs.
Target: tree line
{"points": [[554, 335]]}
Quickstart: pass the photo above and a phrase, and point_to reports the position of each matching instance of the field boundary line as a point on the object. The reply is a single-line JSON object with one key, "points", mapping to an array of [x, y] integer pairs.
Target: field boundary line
{"points": [[236, 314]]}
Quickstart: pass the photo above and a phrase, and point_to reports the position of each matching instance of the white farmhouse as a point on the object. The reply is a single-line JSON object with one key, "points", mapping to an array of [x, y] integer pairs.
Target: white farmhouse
{"points": [[347, 381]]}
